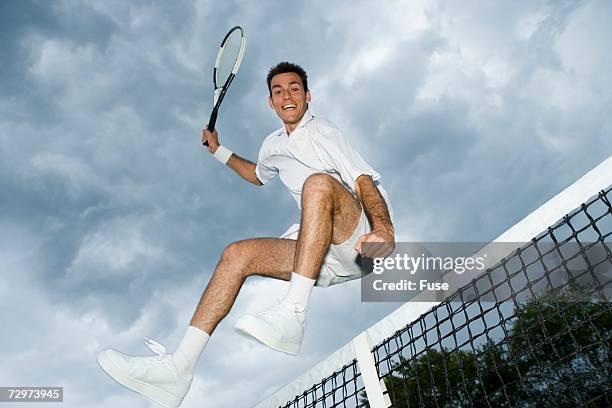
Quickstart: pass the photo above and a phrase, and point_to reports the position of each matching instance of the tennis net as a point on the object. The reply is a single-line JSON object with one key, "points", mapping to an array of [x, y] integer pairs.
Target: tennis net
{"points": [[546, 342], [542, 338]]}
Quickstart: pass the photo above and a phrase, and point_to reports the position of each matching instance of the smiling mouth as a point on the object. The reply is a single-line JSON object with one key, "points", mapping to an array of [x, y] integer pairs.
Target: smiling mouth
{"points": [[288, 107]]}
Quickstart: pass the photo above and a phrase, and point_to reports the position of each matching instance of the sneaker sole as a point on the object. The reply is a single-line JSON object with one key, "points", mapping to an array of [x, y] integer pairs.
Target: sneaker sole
{"points": [[159, 396], [250, 327]]}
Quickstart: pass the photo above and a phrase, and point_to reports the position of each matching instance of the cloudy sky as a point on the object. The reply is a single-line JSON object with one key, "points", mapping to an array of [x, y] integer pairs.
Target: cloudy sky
{"points": [[112, 216]]}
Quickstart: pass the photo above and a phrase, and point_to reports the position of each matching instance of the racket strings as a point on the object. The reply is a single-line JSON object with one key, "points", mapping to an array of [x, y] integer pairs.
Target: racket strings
{"points": [[228, 57]]}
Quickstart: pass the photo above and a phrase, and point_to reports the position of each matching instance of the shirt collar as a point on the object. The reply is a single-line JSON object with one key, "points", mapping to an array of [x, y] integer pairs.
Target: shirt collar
{"points": [[305, 120]]}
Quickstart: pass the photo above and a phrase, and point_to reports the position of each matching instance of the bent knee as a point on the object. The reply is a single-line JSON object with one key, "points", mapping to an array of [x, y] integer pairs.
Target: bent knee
{"points": [[318, 182], [233, 253]]}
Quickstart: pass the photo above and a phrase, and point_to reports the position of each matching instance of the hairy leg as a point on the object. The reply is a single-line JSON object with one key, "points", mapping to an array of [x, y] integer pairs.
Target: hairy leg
{"points": [[330, 214], [272, 257]]}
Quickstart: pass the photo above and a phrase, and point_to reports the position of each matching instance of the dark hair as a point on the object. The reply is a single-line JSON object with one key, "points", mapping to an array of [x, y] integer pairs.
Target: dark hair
{"points": [[283, 68]]}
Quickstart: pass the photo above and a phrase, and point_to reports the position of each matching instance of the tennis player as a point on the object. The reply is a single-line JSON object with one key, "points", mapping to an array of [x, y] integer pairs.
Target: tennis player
{"points": [[342, 207]]}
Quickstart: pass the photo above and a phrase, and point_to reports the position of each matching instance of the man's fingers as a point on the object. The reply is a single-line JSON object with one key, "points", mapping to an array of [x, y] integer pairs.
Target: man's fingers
{"points": [[378, 250], [359, 241], [374, 250], [364, 239], [210, 139], [372, 245], [388, 250], [369, 248], [383, 250]]}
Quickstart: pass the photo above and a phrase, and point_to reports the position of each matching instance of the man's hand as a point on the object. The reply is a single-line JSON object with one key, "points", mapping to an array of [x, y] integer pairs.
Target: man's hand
{"points": [[381, 241], [212, 138], [379, 244]]}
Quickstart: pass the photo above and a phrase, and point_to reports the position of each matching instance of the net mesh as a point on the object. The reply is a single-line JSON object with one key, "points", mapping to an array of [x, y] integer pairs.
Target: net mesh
{"points": [[344, 388], [228, 56], [543, 340]]}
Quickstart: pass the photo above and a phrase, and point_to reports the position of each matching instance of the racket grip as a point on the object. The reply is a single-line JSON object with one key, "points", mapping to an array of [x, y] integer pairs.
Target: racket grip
{"points": [[212, 121], [210, 129]]}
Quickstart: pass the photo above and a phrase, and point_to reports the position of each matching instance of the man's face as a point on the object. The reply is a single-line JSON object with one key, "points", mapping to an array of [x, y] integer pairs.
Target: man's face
{"points": [[288, 98]]}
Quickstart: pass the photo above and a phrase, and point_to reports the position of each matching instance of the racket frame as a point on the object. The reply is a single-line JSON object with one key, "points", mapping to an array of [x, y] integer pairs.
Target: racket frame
{"points": [[220, 91]]}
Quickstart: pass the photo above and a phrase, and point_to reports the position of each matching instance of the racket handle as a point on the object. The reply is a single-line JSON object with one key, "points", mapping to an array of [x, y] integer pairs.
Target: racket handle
{"points": [[211, 122], [206, 143], [210, 129]]}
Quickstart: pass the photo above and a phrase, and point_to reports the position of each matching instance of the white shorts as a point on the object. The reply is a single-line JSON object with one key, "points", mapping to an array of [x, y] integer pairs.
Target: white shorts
{"points": [[341, 263]]}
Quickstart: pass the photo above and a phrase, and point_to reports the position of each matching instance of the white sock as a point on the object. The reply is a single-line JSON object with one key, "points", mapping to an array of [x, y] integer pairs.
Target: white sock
{"points": [[188, 352], [300, 289]]}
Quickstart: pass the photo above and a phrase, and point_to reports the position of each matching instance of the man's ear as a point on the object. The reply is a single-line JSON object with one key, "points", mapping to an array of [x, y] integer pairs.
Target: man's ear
{"points": [[270, 102], [308, 96]]}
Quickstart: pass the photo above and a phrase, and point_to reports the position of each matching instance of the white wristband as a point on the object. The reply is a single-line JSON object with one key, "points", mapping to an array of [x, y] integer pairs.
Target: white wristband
{"points": [[223, 154]]}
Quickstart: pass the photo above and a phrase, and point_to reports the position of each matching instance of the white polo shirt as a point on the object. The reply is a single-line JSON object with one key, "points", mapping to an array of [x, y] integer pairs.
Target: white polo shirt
{"points": [[315, 146]]}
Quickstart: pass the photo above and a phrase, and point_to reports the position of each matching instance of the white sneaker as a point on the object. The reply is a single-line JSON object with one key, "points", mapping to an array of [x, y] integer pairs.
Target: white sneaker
{"points": [[153, 377], [280, 328]]}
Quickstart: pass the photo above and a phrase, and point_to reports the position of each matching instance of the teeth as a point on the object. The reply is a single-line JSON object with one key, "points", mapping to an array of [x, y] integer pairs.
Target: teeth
{"points": [[291, 106]]}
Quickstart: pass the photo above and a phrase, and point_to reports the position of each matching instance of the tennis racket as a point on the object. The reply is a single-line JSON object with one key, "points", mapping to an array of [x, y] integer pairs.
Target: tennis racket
{"points": [[226, 66]]}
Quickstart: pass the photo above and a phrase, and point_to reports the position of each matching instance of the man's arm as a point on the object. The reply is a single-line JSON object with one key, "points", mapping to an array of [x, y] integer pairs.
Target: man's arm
{"points": [[243, 167], [376, 209]]}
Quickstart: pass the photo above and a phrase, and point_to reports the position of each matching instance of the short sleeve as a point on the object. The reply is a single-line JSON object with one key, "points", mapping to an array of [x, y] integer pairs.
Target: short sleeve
{"points": [[336, 153], [264, 169]]}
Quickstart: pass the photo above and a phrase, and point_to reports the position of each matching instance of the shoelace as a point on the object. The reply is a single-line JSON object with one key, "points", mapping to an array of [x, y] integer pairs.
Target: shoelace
{"points": [[161, 352], [155, 347], [281, 308]]}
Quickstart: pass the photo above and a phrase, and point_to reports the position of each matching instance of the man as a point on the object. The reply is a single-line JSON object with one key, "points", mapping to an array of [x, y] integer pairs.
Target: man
{"points": [[341, 209]]}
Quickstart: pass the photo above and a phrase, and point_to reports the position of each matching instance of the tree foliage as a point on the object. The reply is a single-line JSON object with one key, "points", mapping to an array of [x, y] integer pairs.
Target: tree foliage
{"points": [[556, 353]]}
